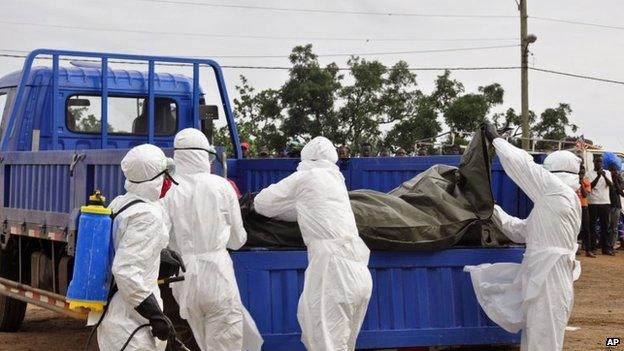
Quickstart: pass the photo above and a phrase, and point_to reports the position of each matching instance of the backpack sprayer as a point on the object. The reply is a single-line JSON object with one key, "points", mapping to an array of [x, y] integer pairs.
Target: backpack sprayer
{"points": [[92, 284], [91, 280]]}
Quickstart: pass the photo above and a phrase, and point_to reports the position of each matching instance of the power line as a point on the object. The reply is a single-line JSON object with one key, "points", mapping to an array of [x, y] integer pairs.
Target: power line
{"points": [[577, 75], [474, 48], [590, 24], [372, 13], [455, 68], [341, 12], [283, 68], [236, 36]]}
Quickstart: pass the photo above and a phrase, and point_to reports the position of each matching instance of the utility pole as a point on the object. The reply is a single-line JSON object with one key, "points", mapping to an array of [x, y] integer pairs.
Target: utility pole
{"points": [[525, 40]]}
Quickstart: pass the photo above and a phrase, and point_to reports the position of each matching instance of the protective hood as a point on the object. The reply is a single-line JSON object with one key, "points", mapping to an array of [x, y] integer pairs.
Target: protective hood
{"points": [[144, 167], [192, 152], [318, 153], [565, 166]]}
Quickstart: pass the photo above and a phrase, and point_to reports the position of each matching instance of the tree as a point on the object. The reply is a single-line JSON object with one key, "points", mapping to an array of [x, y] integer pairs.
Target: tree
{"points": [[466, 112], [446, 90], [378, 105], [554, 123], [360, 116], [309, 95], [421, 125], [511, 124], [385, 96], [87, 123], [493, 93], [258, 116]]}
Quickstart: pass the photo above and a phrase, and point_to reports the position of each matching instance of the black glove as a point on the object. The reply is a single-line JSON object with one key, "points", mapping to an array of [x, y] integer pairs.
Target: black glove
{"points": [[246, 203], [170, 263], [162, 328], [490, 131]]}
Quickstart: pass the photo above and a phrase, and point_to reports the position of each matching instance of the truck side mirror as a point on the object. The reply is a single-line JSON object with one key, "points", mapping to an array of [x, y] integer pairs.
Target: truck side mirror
{"points": [[207, 112]]}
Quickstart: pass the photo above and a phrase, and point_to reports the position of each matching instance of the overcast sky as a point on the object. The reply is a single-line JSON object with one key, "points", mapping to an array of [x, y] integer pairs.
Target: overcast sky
{"points": [[597, 106]]}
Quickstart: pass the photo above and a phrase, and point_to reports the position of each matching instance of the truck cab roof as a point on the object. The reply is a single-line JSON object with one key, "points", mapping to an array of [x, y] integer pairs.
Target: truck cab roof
{"points": [[83, 84], [89, 78]]}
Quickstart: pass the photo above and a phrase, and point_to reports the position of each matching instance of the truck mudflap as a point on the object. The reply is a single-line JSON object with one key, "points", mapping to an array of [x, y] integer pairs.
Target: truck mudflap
{"points": [[41, 298]]}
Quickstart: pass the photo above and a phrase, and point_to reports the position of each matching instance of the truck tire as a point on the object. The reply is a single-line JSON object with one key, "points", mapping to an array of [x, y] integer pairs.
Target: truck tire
{"points": [[12, 311], [12, 314]]}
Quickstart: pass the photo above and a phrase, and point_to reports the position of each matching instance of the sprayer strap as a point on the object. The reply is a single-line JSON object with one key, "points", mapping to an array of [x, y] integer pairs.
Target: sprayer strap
{"points": [[127, 206]]}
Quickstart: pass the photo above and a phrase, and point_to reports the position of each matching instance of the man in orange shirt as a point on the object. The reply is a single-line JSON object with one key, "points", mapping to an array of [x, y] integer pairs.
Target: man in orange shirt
{"points": [[582, 192]]}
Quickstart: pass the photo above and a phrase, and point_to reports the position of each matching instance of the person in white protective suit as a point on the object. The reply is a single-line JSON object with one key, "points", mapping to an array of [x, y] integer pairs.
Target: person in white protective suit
{"points": [[537, 295], [337, 284], [139, 235], [205, 221]]}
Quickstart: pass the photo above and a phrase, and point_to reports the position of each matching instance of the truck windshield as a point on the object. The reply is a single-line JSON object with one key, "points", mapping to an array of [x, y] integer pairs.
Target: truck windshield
{"points": [[126, 115]]}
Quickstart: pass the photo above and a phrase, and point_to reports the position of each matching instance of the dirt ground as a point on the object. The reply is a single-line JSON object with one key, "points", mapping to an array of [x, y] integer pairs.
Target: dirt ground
{"points": [[598, 311], [599, 304]]}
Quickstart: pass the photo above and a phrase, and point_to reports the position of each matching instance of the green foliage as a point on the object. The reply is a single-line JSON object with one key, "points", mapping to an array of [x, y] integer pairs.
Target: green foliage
{"points": [[555, 122], [447, 90], [309, 95], [467, 112], [422, 124], [87, 123], [493, 93], [378, 104], [257, 118]]}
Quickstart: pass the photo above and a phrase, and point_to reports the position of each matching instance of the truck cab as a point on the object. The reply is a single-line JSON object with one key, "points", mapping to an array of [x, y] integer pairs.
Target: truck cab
{"points": [[55, 152]]}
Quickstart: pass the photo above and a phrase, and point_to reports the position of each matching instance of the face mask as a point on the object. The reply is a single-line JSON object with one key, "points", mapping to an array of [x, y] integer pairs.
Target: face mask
{"points": [[570, 179], [167, 183], [212, 155]]}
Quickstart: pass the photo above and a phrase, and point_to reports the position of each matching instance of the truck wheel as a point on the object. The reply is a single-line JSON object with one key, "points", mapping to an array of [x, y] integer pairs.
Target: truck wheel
{"points": [[12, 311], [12, 314]]}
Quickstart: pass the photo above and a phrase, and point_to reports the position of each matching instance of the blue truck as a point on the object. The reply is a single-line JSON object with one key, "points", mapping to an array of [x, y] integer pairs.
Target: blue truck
{"points": [[55, 152]]}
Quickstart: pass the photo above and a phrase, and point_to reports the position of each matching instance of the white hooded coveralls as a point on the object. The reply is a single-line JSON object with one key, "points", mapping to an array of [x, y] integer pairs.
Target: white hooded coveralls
{"points": [[139, 234], [537, 295], [337, 284], [205, 219]]}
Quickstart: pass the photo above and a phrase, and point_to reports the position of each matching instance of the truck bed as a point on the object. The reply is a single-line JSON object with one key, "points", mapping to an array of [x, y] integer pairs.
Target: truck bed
{"points": [[43, 191], [419, 298]]}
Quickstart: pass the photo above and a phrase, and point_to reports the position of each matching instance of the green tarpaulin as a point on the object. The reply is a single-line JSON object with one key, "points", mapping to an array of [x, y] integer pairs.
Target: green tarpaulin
{"points": [[439, 208]]}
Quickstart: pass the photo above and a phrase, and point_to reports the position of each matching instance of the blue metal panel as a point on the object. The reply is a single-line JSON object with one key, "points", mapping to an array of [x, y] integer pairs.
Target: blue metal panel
{"points": [[41, 190], [38, 187], [256, 174], [381, 174], [419, 298], [55, 96], [385, 174], [150, 102], [109, 179], [104, 102], [195, 114]]}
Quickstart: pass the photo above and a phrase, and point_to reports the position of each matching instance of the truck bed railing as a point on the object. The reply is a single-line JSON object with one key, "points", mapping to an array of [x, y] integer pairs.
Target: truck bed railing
{"points": [[43, 191], [105, 59]]}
